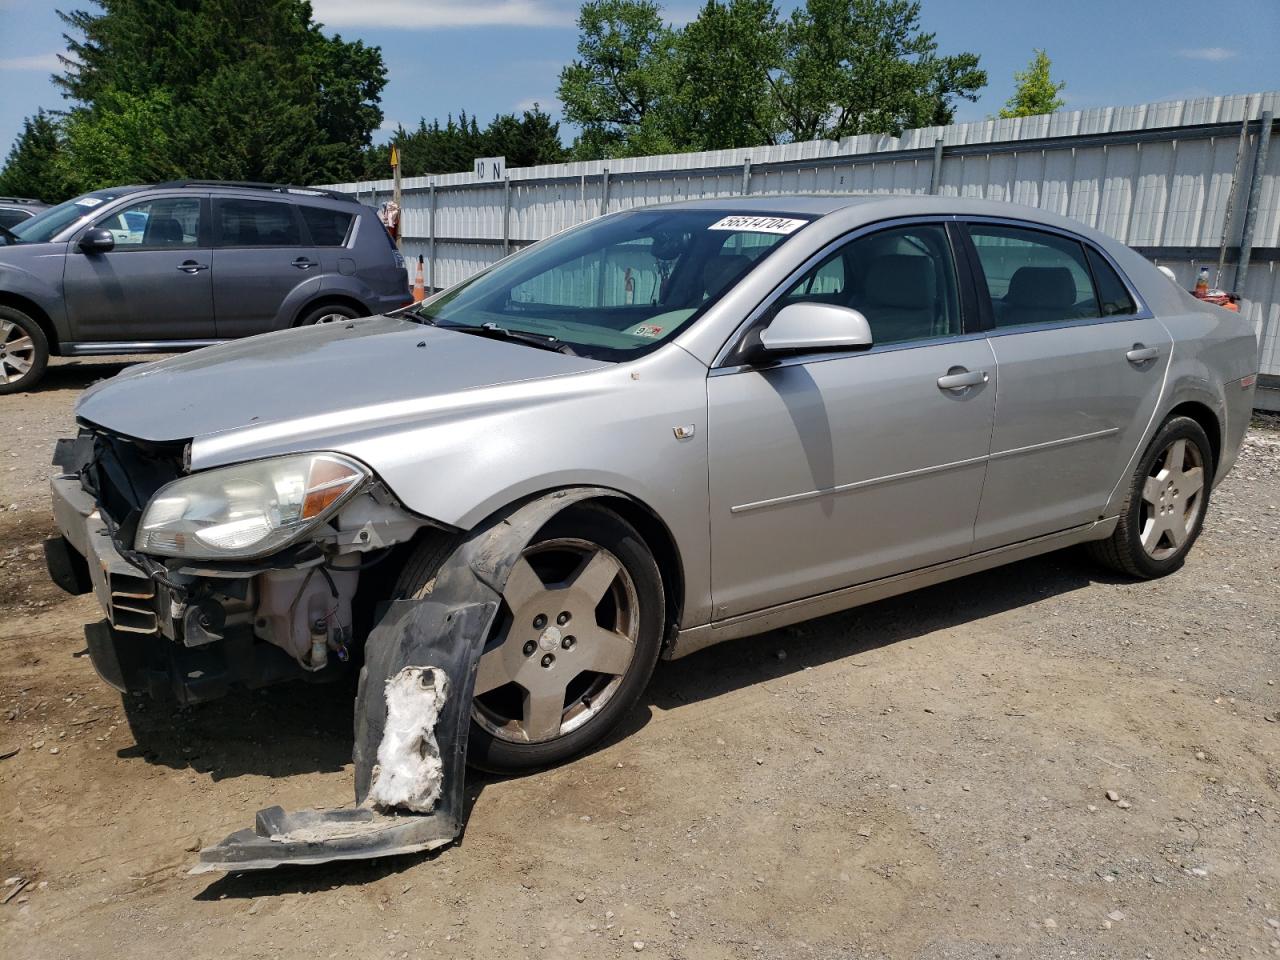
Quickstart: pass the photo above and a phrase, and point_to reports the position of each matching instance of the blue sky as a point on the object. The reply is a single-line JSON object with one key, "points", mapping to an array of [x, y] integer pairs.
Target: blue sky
{"points": [[491, 56]]}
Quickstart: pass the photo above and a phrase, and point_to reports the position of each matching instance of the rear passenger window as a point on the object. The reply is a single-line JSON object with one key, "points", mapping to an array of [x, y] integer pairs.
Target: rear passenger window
{"points": [[902, 280], [328, 228], [1034, 277], [1112, 292], [257, 223]]}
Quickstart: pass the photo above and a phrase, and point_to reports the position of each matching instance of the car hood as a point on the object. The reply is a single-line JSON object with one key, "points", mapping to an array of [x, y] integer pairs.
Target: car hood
{"points": [[337, 377]]}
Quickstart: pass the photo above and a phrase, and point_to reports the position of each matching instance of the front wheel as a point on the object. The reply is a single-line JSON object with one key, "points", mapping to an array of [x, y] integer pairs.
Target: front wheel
{"points": [[330, 313], [574, 643], [24, 351], [1163, 513]]}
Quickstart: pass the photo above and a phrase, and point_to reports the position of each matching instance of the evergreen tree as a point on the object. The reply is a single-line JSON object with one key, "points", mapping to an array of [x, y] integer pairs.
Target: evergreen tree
{"points": [[32, 169], [1036, 91]]}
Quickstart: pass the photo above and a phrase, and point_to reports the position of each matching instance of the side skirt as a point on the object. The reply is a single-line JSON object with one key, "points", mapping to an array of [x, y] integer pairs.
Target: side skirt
{"points": [[105, 349], [694, 639]]}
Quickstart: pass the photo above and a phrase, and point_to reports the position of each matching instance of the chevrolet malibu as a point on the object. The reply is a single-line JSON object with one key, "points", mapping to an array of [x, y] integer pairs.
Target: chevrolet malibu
{"points": [[756, 411]]}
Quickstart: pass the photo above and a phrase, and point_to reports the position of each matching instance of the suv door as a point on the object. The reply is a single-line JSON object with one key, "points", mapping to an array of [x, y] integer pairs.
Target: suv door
{"points": [[831, 470], [1080, 364], [259, 260], [155, 285]]}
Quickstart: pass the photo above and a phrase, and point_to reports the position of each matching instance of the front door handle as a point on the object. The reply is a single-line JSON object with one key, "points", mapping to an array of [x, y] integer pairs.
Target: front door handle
{"points": [[1141, 354], [302, 263], [190, 266], [958, 378]]}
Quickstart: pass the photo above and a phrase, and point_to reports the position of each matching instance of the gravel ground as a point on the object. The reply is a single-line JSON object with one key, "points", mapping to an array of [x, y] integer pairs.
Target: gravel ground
{"points": [[1037, 761]]}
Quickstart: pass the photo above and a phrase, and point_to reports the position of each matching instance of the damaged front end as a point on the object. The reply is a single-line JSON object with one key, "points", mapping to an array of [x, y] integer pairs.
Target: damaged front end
{"points": [[194, 628]]}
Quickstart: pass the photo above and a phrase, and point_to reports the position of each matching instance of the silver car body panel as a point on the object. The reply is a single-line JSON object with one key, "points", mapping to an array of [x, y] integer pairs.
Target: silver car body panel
{"points": [[822, 484]]}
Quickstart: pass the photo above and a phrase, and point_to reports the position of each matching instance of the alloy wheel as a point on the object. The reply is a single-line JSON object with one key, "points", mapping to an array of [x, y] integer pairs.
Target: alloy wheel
{"points": [[566, 640], [17, 352], [1172, 497]]}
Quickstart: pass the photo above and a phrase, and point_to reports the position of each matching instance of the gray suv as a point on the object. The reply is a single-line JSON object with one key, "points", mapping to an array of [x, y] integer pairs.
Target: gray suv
{"points": [[175, 266]]}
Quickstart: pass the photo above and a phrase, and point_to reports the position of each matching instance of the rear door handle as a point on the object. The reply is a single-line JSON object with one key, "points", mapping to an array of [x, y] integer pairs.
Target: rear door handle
{"points": [[961, 379], [302, 263], [190, 266], [1141, 354]]}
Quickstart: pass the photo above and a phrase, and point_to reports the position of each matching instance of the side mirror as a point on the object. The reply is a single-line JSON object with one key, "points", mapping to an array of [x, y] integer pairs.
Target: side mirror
{"points": [[99, 240], [809, 327]]}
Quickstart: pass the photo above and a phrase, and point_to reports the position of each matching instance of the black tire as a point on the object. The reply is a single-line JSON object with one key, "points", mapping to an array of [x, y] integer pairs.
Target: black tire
{"points": [[603, 528], [17, 327], [330, 313], [1123, 551]]}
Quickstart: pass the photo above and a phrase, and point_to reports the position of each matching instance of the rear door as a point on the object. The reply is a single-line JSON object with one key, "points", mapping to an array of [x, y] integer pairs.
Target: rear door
{"points": [[156, 285], [259, 259], [1080, 365]]}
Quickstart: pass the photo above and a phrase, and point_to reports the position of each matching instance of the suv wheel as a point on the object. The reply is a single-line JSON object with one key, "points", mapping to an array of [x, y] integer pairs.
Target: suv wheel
{"points": [[330, 313], [24, 351], [574, 644]]}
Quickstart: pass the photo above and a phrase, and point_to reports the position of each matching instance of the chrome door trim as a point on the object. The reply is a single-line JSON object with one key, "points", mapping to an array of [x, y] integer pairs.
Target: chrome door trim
{"points": [[693, 639], [105, 348], [923, 471]]}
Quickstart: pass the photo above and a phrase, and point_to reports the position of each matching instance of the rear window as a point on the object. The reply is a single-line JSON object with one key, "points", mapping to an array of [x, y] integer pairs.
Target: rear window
{"points": [[328, 228], [257, 223]]}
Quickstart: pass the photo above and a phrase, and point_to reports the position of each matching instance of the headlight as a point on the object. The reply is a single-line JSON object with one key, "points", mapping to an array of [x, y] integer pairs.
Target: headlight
{"points": [[248, 510]]}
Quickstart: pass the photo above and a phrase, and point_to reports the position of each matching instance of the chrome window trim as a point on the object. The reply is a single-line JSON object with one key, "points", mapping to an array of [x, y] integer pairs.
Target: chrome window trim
{"points": [[720, 366], [1143, 312]]}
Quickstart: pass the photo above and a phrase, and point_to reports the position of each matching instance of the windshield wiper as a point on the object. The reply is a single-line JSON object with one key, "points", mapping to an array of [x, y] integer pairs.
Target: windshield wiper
{"points": [[542, 341]]}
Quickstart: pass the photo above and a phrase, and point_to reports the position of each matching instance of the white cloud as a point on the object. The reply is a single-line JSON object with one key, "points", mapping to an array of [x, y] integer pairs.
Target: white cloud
{"points": [[43, 62], [1214, 54], [425, 14]]}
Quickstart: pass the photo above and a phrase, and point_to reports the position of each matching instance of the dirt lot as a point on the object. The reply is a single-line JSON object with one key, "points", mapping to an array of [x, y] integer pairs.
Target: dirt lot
{"points": [[926, 777]]}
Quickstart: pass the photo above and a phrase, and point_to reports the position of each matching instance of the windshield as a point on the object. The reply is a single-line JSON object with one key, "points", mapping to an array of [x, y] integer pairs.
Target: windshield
{"points": [[47, 224], [618, 287]]}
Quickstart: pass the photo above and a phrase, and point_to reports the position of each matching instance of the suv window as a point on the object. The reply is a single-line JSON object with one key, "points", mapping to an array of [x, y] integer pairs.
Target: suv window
{"points": [[9, 216], [256, 223], [162, 222], [328, 228], [1114, 295], [903, 280], [1034, 277]]}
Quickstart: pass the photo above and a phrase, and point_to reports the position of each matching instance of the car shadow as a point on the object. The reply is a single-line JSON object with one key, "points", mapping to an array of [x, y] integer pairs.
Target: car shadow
{"points": [[79, 374]]}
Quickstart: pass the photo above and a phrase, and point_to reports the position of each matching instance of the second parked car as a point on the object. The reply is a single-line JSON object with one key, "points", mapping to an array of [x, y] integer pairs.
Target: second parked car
{"points": [[176, 266]]}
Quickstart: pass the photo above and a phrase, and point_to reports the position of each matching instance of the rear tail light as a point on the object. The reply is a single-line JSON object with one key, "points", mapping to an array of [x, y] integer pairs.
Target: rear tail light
{"points": [[1249, 381]]}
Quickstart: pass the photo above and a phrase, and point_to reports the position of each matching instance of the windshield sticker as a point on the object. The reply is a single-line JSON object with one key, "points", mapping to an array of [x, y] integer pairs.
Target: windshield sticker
{"points": [[759, 224], [646, 330], [88, 201]]}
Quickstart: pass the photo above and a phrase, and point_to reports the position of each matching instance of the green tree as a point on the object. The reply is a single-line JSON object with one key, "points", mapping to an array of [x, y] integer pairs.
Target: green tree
{"points": [[1036, 91], [616, 88], [724, 59], [865, 66], [32, 168], [527, 140], [251, 89]]}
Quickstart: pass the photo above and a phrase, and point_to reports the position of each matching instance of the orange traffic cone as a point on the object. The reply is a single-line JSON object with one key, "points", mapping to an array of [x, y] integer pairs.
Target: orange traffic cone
{"points": [[419, 284]]}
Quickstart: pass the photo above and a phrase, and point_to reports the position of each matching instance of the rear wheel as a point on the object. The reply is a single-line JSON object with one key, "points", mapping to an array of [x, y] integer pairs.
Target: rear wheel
{"points": [[330, 313], [574, 644], [1163, 513], [24, 351]]}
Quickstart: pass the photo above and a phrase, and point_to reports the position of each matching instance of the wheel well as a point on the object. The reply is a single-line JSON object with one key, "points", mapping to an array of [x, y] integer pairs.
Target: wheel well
{"points": [[1208, 422], [660, 543], [330, 301], [33, 310]]}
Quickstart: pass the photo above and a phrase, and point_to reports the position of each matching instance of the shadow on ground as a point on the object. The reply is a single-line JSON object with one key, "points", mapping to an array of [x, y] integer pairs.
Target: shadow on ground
{"points": [[79, 374]]}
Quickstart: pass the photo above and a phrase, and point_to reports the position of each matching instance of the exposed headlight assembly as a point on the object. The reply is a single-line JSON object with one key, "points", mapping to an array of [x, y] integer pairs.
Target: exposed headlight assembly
{"points": [[247, 510]]}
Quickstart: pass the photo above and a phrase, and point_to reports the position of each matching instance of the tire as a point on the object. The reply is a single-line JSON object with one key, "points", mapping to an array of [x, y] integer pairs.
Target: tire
{"points": [[24, 351], [1161, 505], [330, 313], [531, 644]]}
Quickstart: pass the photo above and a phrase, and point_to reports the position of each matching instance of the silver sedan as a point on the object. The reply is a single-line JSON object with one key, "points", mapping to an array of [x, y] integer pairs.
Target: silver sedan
{"points": [[738, 414]]}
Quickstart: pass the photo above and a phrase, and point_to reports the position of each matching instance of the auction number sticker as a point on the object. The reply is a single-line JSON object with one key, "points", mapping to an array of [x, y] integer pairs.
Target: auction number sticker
{"points": [[759, 224]]}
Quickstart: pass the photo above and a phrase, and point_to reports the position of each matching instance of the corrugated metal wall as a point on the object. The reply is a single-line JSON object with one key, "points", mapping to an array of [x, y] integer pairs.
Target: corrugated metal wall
{"points": [[1156, 176]]}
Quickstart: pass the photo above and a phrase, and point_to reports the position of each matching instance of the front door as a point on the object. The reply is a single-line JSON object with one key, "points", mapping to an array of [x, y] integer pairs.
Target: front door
{"points": [[155, 285], [827, 471], [1080, 369]]}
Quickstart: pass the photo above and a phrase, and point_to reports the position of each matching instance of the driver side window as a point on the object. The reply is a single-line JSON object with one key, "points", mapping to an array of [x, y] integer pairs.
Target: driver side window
{"points": [[902, 280], [168, 222]]}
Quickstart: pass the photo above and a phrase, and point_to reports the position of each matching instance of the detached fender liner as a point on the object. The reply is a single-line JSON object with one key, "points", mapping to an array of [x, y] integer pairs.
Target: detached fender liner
{"points": [[444, 631]]}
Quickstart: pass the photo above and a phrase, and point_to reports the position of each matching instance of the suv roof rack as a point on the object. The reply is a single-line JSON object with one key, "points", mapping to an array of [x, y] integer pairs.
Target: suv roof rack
{"points": [[19, 200], [254, 185]]}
